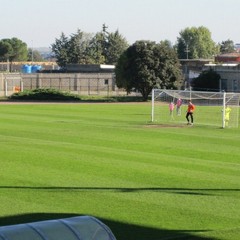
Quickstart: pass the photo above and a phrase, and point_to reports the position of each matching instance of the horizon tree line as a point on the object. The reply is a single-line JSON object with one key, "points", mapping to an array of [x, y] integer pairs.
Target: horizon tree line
{"points": [[140, 67]]}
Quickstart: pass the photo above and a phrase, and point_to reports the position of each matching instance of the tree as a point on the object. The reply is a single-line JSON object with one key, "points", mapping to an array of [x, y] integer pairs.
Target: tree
{"points": [[13, 50], [107, 47], [20, 51], [78, 47], [227, 46], [115, 47], [85, 48], [6, 50], [206, 81], [146, 65], [195, 43], [96, 49], [34, 55], [60, 50], [75, 49]]}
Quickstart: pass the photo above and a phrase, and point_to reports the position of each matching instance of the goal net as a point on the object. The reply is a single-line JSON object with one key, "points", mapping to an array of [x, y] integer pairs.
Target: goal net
{"points": [[218, 109]]}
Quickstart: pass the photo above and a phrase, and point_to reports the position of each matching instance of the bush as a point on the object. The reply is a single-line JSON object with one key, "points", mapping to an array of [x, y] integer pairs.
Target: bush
{"points": [[49, 94], [46, 94]]}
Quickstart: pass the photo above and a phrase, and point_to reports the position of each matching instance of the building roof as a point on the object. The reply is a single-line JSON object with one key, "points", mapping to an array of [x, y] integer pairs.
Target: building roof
{"points": [[227, 55], [228, 58], [90, 68]]}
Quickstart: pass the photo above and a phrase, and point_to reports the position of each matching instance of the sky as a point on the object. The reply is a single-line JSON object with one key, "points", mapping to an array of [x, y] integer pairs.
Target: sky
{"points": [[39, 23]]}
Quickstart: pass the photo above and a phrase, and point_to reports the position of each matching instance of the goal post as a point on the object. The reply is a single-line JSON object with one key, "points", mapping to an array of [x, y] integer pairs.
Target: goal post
{"points": [[220, 109]]}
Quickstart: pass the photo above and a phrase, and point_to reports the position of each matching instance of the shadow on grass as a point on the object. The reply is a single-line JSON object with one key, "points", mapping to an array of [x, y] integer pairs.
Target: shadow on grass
{"points": [[122, 231], [185, 191]]}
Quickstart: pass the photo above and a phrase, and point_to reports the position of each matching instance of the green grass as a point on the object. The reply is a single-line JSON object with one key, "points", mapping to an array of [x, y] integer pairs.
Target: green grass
{"points": [[106, 160], [203, 115]]}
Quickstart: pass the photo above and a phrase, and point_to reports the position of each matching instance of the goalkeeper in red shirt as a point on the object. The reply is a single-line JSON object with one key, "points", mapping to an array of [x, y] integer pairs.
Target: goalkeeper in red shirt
{"points": [[190, 110]]}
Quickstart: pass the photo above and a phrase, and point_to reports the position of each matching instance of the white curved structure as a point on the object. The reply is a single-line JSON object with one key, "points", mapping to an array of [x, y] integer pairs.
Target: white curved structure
{"points": [[75, 228]]}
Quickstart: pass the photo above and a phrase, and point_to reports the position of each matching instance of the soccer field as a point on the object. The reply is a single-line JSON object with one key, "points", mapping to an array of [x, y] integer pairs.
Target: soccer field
{"points": [[145, 181]]}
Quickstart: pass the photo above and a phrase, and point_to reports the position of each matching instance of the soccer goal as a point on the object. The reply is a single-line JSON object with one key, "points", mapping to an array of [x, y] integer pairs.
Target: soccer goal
{"points": [[218, 109]]}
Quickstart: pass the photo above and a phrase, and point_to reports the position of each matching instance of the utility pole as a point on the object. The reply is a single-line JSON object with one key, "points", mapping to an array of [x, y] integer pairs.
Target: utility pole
{"points": [[32, 52], [105, 39], [105, 28], [187, 50], [186, 68]]}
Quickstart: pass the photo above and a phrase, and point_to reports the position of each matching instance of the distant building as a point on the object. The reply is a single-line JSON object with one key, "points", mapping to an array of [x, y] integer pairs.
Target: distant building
{"points": [[95, 79], [228, 58], [191, 68], [237, 47], [227, 66], [230, 75], [89, 68]]}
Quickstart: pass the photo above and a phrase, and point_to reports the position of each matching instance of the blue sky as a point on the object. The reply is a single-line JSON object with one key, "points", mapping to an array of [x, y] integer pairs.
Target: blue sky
{"points": [[40, 22]]}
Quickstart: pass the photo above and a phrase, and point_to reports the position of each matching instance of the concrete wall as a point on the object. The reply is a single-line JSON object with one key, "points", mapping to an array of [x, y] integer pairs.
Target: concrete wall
{"points": [[79, 83]]}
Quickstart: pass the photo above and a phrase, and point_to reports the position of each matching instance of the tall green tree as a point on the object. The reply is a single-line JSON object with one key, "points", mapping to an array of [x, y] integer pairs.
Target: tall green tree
{"points": [[146, 65], [78, 47], [85, 48], [96, 49], [115, 46], [227, 46], [6, 50], [13, 50], [107, 47], [195, 43], [73, 49], [60, 50]]}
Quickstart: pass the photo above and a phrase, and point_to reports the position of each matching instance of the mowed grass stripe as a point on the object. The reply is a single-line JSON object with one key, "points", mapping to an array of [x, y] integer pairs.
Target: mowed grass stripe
{"points": [[144, 163]]}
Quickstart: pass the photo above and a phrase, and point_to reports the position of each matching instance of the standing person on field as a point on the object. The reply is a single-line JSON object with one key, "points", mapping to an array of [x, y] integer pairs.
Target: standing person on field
{"points": [[171, 108], [179, 104], [190, 110], [227, 115]]}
